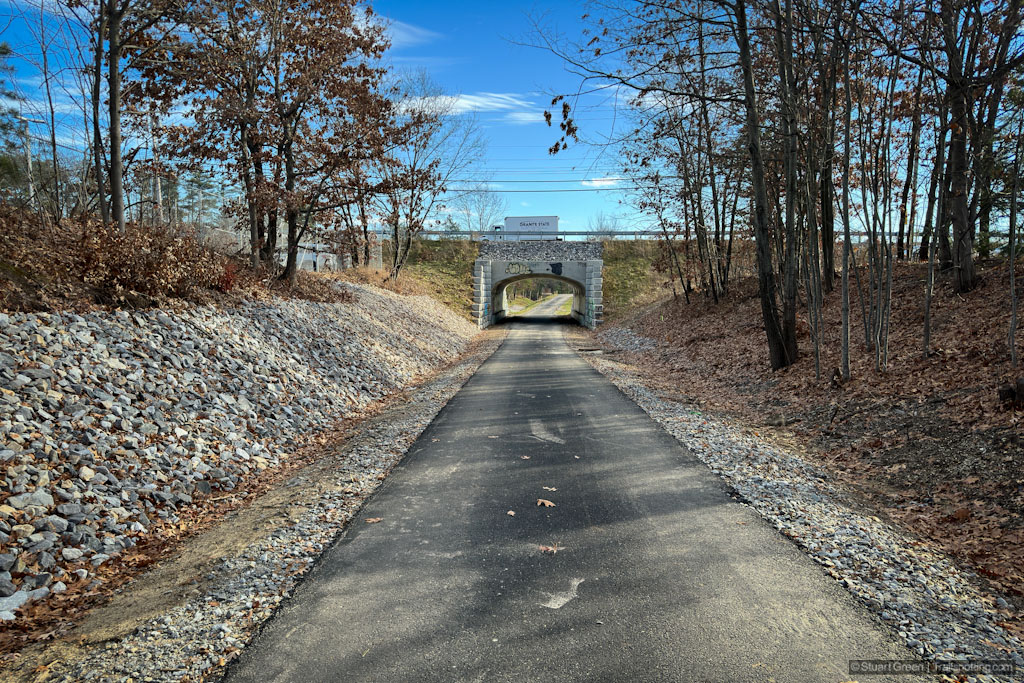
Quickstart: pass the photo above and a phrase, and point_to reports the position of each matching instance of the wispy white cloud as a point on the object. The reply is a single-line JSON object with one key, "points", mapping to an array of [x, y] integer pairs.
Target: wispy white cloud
{"points": [[520, 118], [421, 62], [29, 9], [406, 35], [513, 103], [39, 108], [489, 101], [610, 181]]}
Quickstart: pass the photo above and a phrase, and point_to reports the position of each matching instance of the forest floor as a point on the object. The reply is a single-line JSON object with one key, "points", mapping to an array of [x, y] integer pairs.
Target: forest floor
{"points": [[926, 443]]}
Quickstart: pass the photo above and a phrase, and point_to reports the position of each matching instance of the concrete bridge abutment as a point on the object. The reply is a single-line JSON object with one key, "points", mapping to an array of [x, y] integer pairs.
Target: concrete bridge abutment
{"points": [[578, 264]]}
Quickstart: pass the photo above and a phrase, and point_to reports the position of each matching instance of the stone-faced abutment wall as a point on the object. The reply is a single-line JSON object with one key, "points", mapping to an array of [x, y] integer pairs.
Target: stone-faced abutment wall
{"points": [[579, 264]]}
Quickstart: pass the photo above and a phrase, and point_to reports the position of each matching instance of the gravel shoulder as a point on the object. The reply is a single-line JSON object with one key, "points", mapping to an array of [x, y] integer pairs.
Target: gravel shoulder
{"points": [[939, 610], [188, 617]]}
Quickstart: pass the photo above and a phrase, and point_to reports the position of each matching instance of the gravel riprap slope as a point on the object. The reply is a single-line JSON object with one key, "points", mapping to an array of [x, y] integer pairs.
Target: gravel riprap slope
{"points": [[110, 422], [194, 640], [935, 607]]}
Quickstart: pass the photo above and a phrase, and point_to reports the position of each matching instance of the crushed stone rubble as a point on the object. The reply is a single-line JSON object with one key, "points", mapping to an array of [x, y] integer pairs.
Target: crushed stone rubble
{"points": [[534, 250], [112, 422], [197, 639], [935, 607], [626, 339]]}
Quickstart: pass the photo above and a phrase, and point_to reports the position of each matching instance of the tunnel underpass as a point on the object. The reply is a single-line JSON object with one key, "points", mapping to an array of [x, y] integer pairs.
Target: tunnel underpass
{"points": [[501, 264], [502, 300]]}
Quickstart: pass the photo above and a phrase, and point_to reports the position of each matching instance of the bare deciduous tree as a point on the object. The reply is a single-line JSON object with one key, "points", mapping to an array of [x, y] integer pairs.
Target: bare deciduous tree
{"points": [[440, 148], [479, 208]]}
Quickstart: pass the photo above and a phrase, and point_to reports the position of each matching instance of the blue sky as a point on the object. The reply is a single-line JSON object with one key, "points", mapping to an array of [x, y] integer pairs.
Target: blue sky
{"points": [[470, 48]]}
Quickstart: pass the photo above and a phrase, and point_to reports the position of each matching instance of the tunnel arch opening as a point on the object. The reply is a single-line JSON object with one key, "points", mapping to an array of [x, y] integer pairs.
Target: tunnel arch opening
{"points": [[579, 264], [499, 294]]}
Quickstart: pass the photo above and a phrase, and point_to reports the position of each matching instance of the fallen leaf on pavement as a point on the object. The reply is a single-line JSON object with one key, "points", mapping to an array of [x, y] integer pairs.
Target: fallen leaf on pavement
{"points": [[549, 488], [545, 503], [374, 520]]}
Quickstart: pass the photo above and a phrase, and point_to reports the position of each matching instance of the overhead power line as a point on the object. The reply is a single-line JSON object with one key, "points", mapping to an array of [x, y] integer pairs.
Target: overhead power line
{"points": [[547, 180], [568, 189]]}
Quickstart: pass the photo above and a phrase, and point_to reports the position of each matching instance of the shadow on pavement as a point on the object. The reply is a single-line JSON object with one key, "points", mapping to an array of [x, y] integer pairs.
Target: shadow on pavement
{"points": [[538, 320]]}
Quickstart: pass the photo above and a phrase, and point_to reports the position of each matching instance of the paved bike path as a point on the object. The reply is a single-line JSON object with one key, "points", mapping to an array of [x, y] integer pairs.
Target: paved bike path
{"points": [[659, 574]]}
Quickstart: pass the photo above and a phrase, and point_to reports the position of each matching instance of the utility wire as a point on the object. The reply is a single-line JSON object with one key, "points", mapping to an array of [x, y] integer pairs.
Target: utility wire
{"points": [[545, 180], [574, 189]]}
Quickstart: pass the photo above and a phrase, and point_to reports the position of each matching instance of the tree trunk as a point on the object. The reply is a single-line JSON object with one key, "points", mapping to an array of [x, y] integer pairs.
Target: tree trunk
{"points": [[826, 183], [933, 189], [777, 348], [915, 137], [983, 181], [97, 135], [828, 222], [942, 220], [813, 261], [114, 50], [364, 220], [847, 242], [932, 248], [790, 264], [1011, 337], [158, 195], [963, 231], [291, 262], [727, 267], [250, 197], [268, 236], [959, 99], [713, 246], [291, 213], [912, 220], [673, 259], [58, 210]]}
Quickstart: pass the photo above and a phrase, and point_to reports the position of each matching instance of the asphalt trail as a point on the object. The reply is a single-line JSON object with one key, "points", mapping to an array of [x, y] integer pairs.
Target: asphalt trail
{"points": [[548, 308], [659, 574]]}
